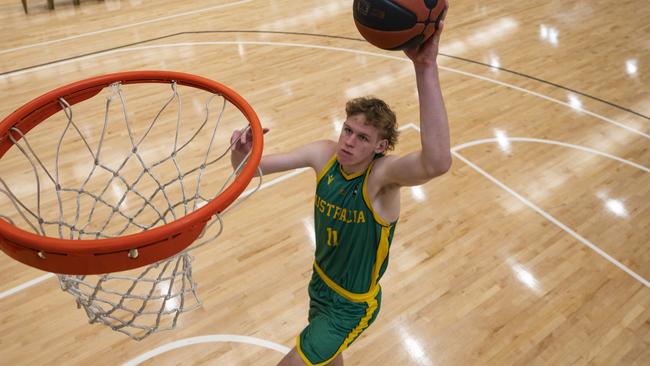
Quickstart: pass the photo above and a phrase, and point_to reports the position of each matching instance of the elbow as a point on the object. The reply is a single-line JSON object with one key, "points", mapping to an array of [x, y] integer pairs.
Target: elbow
{"points": [[438, 167]]}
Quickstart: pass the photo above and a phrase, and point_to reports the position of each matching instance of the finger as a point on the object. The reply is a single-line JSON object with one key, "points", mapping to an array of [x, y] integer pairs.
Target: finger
{"points": [[249, 135], [243, 136], [436, 36], [235, 136]]}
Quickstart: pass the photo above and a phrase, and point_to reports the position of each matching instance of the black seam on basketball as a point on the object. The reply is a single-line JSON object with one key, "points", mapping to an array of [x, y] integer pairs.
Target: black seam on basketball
{"points": [[611, 104], [403, 17]]}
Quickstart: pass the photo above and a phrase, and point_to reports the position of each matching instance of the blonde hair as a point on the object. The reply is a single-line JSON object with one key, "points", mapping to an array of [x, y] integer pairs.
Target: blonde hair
{"points": [[378, 114]]}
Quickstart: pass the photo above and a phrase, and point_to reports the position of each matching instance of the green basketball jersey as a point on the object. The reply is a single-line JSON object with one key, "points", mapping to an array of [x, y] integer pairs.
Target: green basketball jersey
{"points": [[352, 242]]}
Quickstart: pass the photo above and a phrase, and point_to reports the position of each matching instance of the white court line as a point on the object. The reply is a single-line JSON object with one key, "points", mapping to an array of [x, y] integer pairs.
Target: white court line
{"points": [[25, 285], [608, 120], [552, 219], [276, 180], [537, 209], [552, 142], [330, 48], [206, 339], [123, 26]]}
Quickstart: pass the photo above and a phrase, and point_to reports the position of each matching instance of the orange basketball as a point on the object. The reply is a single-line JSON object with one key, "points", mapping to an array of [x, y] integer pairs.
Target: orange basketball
{"points": [[398, 24]]}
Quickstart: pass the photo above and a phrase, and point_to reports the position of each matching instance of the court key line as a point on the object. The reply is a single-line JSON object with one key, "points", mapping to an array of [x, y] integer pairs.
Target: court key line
{"points": [[555, 221], [206, 339], [155, 20], [539, 210], [550, 142], [25, 285], [330, 48]]}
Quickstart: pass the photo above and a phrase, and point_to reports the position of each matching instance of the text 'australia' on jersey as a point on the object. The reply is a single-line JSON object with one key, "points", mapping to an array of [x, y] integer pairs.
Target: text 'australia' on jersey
{"points": [[352, 242]]}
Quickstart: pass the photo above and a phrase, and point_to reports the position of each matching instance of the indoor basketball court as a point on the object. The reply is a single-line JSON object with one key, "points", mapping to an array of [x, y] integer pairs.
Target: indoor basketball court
{"points": [[532, 250]]}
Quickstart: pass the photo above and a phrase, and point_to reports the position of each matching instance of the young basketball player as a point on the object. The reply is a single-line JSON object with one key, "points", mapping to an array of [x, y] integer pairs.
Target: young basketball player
{"points": [[357, 205]]}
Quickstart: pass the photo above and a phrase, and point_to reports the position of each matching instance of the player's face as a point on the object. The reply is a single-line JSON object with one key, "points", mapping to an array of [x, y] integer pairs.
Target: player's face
{"points": [[358, 141]]}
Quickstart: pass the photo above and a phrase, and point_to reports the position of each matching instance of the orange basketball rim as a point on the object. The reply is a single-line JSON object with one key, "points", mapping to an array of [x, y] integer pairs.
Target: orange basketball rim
{"points": [[105, 255]]}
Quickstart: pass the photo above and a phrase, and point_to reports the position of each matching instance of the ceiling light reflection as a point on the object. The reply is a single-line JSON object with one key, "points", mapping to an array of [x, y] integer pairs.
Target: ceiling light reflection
{"points": [[242, 51], [543, 32], [414, 348], [309, 226], [548, 34], [418, 194], [118, 193], [503, 141], [524, 276], [631, 67], [172, 303], [494, 62], [575, 102], [338, 125], [617, 207]]}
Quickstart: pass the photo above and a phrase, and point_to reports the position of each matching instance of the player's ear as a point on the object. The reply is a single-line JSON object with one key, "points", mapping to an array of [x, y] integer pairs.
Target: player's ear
{"points": [[381, 146]]}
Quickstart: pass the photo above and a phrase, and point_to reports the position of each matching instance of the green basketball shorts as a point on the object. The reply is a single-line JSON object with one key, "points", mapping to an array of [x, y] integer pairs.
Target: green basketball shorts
{"points": [[334, 322]]}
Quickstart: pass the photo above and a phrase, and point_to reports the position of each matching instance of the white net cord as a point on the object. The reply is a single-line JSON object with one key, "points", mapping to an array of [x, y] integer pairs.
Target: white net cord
{"points": [[127, 187]]}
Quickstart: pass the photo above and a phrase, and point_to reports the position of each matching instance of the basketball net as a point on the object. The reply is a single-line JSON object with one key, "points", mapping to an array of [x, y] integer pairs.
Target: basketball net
{"points": [[125, 180]]}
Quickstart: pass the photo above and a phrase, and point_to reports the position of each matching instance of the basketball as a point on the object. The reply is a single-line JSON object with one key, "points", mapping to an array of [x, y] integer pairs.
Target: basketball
{"points": [[398, 24]]}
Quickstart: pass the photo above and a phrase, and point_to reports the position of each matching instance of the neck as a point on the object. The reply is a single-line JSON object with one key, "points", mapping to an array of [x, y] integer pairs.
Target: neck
{"points": [[357, 168]]}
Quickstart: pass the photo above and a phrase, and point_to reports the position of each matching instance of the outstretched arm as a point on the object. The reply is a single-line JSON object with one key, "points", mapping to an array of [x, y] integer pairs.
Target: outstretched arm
{"points": [[314, 155], [434, 158]]}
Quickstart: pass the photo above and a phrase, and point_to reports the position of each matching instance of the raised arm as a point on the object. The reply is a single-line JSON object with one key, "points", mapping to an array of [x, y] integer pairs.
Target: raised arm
{"points": [[434, 158]]}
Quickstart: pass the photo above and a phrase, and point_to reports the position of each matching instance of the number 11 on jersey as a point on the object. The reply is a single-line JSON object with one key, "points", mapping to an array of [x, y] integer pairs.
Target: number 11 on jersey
{"points": [[332, 237]]}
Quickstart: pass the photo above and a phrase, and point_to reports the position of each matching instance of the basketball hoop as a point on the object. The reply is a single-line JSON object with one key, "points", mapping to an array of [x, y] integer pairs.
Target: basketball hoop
{"points": [[76, 224]]}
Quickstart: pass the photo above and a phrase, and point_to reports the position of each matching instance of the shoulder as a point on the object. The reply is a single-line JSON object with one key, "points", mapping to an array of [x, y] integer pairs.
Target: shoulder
{"points": [[381, 170], [383, 163], [321, 152], [326, 146], [322, 149], [317, 154]]}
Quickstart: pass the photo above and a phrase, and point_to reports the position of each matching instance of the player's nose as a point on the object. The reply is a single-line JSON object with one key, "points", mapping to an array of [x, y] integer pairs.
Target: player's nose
{"points": [[349, 140]]}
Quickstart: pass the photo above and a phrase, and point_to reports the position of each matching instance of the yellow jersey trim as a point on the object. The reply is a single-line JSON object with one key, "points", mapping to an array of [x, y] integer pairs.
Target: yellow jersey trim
{"points": [[302, 355], [363, 324], [352, 296], [327, 167], [382, 253], [347, 176], [366, 198]]}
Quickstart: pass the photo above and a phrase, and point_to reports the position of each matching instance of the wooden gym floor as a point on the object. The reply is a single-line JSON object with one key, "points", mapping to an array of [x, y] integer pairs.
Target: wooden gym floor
{"points": [[533, 250]]}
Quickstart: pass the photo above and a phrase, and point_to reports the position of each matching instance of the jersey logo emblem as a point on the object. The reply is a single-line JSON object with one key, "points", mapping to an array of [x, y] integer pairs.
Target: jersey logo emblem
{"points": [[330, 179]]}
